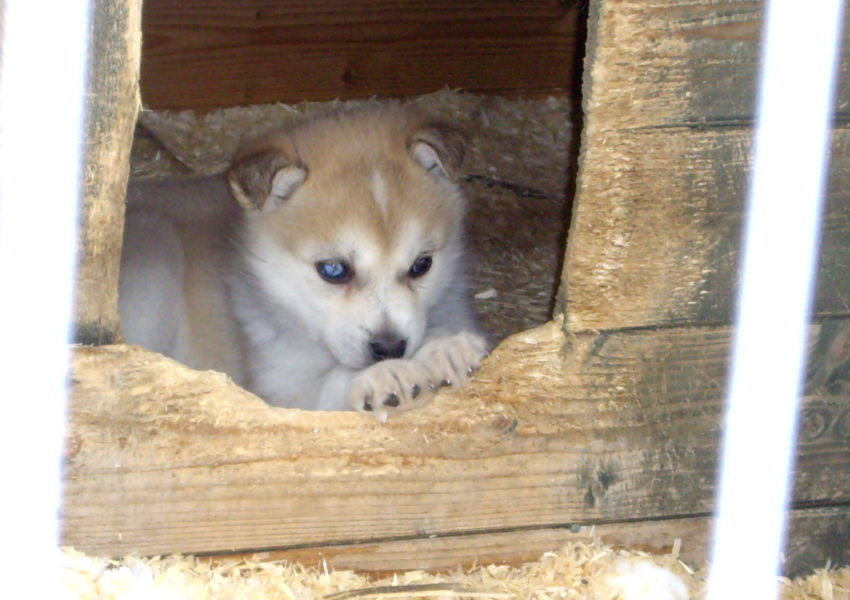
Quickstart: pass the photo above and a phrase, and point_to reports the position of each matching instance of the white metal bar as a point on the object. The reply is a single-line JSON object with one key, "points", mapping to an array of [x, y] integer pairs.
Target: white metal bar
{"points": [[781, 238], [42, 92]]}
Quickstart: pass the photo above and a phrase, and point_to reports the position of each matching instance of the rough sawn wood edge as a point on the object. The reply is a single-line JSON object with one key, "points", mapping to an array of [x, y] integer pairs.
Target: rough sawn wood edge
{"points": [[112, 108], [615, 427]]}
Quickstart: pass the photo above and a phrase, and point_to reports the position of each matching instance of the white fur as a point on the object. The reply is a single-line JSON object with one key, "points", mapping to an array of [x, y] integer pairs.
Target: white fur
{"points": [[426, 156], [641, 579], [150, 286], [284, 183]]}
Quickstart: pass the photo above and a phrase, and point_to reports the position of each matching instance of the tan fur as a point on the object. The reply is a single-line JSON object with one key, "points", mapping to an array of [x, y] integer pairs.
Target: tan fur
{"points": [[338, 188]]}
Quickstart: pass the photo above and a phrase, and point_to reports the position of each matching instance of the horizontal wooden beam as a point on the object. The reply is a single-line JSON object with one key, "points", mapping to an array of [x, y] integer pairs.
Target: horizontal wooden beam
{"points": [[598, 428], [816, 535], [225, 54]]}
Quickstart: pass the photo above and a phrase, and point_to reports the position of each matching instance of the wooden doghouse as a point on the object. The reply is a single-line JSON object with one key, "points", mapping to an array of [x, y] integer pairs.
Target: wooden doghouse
{"points": [[606, 420]]}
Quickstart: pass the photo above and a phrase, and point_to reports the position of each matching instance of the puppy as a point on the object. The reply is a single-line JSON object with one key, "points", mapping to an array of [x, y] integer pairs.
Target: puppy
{"points": [[324, 270]]}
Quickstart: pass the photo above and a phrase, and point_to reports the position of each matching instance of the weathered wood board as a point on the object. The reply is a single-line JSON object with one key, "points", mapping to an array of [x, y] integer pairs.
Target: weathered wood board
{"points": [[113, 104], [164, 459], [658, 243], [668, 99], [220, 53], [816, 536], [669, 63]]}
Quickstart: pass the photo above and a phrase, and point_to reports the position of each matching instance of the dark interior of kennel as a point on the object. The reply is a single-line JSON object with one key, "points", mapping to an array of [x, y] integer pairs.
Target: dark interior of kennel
{"points": [[606, 418]]}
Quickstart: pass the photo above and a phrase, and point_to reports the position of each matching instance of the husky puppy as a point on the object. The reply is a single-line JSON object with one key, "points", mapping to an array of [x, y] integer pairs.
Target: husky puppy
{"points": [[324, 270]]}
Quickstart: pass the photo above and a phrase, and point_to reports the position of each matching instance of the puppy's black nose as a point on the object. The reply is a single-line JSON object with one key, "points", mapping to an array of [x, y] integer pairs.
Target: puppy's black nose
{"points": [[384, 346]]}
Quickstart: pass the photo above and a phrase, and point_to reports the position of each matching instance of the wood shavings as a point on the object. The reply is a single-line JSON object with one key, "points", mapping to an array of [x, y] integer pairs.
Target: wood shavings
{"points": [[486, 294], [579, 571], [425, 590]]}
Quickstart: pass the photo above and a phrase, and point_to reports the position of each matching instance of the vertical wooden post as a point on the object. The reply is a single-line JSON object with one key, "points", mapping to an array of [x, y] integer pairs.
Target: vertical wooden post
{"points": [[112, 111]]}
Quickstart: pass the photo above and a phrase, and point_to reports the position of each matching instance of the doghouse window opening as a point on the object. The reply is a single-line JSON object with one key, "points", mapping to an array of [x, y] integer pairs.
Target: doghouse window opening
{"points": [[519, 170], [520, 167]]}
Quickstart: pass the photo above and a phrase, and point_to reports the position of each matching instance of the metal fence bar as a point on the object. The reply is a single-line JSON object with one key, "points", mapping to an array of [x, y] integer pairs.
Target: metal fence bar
{"points": [[43, 59], [781, 238]]}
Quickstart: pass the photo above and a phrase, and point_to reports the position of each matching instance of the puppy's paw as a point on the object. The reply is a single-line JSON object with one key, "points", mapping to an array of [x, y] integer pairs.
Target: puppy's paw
{"points": [[450, 360], [390, 386]]}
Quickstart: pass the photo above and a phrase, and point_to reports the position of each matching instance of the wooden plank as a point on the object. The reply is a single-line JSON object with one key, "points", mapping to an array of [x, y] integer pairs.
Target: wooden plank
{"points": [[669, 63], [445, 553], [165, 459], [665, 158], [219, 53], [656, 230], [113, 104], [815, 536]]}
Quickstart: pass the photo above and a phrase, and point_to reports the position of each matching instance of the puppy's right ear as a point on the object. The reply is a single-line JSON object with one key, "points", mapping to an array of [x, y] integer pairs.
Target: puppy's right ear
{"points": [[264, 180]]}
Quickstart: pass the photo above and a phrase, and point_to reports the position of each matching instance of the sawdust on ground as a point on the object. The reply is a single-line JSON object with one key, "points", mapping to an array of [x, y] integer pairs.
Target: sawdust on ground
{"points": [[579, 571]]}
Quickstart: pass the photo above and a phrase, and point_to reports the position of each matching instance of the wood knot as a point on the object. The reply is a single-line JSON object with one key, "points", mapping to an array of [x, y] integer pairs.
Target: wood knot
{"points": [[813, 424], [504, 424], [597, 482]]}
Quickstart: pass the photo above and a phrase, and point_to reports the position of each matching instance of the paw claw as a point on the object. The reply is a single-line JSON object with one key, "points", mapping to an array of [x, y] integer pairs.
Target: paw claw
{"points": [[451, 360], [395, 385], [388, 387]]}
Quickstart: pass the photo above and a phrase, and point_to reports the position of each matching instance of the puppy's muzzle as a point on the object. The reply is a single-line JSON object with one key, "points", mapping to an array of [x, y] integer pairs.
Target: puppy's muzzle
{"points": [[386, 346]]}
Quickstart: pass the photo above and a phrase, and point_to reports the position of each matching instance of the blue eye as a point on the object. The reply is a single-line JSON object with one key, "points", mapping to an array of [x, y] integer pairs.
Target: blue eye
{"points": [[335, 271], [421, 266]]}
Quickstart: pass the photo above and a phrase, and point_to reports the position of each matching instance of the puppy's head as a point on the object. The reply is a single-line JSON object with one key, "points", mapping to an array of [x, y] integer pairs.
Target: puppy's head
{"points": [[353, 227]]}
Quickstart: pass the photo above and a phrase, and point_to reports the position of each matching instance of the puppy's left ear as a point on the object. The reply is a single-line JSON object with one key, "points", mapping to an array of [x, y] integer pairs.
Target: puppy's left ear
{"points": [[264, 180], [439, 149]]}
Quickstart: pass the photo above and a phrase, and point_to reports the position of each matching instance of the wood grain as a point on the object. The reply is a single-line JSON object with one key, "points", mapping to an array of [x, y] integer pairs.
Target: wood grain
{"points": [[203, 56], [165, 459], [816, 536], [673, 64], [655, 237], [665, 159], [113, 105]]}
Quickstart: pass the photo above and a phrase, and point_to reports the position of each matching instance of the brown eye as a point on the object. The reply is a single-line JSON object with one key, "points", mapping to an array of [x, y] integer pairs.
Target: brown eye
{"points": [[420, 267], [334, 271]]}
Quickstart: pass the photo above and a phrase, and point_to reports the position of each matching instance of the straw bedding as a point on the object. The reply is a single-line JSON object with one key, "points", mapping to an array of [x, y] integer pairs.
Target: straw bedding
{"points": [[580, 571]]}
